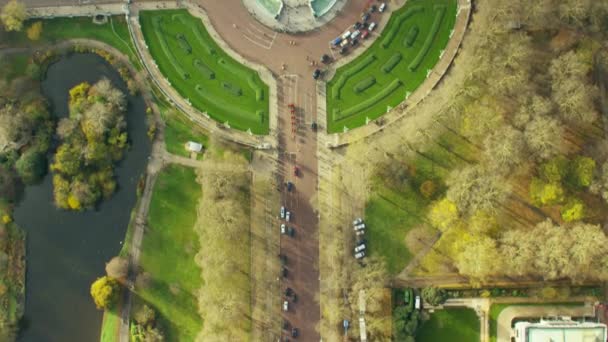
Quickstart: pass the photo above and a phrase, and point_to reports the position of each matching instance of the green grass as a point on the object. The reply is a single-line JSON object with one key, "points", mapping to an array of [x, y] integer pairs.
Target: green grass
{"points": [[346, 110], [496, 309], [392, 211], [14, 65], [115, 33], [207, 76], [454, 325], [110, 326], [168, 252], [179, 130]]}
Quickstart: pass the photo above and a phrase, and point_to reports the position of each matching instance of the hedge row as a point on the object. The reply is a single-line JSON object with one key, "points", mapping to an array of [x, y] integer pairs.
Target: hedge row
{"points": [[411, 36], [261, 115], [364, 84], [439, 13], [259, 91], [163, 45], [183, 43], [204, 69], [390, 35], [342, 114], [392, 62], [233, 89], [337, 88], [199, 35]]}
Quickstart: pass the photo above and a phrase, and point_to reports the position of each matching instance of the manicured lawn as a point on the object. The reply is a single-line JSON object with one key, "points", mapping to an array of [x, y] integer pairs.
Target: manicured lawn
{"points": [[397, 63], [455, 325], [109, 328], [168, 250], [392, 211], [179, 130], [115, 33], [203, 73]]}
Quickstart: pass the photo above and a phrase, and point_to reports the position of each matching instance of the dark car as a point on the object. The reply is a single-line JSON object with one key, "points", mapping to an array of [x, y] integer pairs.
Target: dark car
{"points": [[290, 231], [296, 171], [285, 325], [365, 17], [373, 9], [284, 272], [316, 74], [325, 59], [313, 126], [289, 186], [357, 25], [288, 292], [343, 50], [283, 259], [294, 332], [294, 298], [354, 42]]}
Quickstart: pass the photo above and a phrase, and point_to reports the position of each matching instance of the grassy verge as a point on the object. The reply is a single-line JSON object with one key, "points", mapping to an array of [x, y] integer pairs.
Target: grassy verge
{"points": [[168, 250], [457, 325], [110, 325], [115, 33], [179, 130], [398, 55], [203, 73], [496, 309]]}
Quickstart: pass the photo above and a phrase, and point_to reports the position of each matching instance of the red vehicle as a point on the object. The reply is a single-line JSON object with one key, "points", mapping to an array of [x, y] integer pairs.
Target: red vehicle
{"points": [[296, 171], [364, 34]]}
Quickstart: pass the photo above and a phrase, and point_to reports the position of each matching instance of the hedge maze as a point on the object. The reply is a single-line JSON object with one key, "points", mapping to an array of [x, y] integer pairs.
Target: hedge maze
{"points": [[395, 64], [203, 73]]}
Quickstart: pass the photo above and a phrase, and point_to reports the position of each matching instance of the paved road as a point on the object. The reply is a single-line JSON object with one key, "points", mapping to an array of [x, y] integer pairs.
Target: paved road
{"points": [[507, 315]]}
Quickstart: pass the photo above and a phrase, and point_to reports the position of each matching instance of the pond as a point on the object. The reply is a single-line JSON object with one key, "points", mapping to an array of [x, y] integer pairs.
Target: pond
{"points": [[67, 251]]}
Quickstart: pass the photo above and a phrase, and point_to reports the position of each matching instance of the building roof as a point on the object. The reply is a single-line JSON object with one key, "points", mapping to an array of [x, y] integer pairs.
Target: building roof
{"points": [[563, 331], [194, 147]]}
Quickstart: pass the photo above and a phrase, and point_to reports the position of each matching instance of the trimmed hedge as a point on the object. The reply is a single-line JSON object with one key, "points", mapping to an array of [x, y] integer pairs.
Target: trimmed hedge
{"points": [[390, 35], [342, 114], [439, 13], [259, 91], [392, 62], [199, 36], [411, 36], [183, 43], [337, 88], [261, 115], [163, 45], [204, 69], [364, 84], [231, 88]]}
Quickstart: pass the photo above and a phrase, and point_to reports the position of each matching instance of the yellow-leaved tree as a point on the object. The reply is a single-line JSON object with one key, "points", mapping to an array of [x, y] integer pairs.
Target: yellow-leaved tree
{"points": [[105, 292]]}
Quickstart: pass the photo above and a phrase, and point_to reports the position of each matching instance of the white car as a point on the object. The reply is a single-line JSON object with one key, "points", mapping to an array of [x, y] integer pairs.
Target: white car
{"points": [[360, 226], [382, 7], [283, 228], [346, 35], [285, 306], [417, 303], [355, 34], [360, 248], [359, 255], [287, 216], [357, 221], [282, 212], [360, 232], [371, 26]]}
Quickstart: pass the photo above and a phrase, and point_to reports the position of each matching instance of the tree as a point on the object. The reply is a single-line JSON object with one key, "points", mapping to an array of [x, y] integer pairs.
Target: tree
{"points": [[503, 149], [581, 172], [574, 210], [12, 16], [472, 188], [554, 170], [479, 258], [34, 31], [434, 296], [31, 166], [543, 193], [117, 268], [145, 316], [543, 136], [105, 291], [443, 214]]}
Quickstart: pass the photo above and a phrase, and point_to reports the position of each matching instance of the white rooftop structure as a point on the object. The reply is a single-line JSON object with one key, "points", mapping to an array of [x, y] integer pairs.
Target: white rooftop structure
{"points": [[562, 330], [194, 147]]}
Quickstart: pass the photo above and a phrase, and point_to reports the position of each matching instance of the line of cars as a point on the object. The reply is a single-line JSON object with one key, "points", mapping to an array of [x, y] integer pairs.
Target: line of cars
{"points": [[360, 30], [289, 294], [359, 227]]}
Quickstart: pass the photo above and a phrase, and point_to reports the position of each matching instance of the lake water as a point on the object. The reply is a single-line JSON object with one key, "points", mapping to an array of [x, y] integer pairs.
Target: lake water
{"points": [[67, 251]]}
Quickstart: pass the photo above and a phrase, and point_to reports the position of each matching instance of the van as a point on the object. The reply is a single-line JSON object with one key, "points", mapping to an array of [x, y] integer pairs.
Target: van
{"points": [[360, 255], [346, 35], [359, 248]]}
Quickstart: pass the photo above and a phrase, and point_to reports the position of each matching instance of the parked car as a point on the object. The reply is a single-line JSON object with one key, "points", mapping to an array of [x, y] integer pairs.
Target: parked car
{"points": [[316, 74], [294, 298], [357, 221], [354, 42], [345, 35], [283, 228], [296, 171], [313, 126], [357, 25], [359, 255], [343, 50], [372, 26], [382, 7], [336, 41], [364, 34], [325, 59], [294, 332], [284, 272], [365, 17], [289, 186], [285, 325], [360, 226], [282, 212], [285, 305], [291, 232], [355, 35], [287, 216], [360, 248], [360, 232], [373, 9], [288, 292], [283, 259], [417, 303]]}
